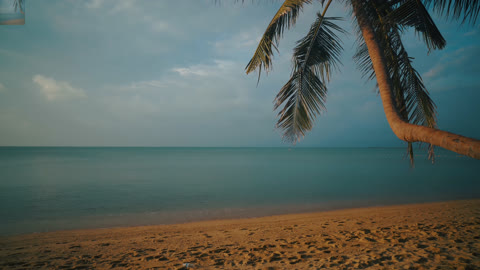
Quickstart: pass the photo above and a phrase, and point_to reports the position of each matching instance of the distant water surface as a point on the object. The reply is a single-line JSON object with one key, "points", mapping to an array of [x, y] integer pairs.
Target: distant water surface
{"points": [[5, 17], [55, 188]]}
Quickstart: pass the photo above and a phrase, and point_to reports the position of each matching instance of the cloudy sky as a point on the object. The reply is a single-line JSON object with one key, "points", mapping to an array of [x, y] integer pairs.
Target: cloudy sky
{"points": [[171, 73]]}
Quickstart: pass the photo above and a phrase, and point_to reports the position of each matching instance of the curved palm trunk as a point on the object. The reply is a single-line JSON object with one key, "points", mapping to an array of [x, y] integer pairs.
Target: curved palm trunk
{"points": [[403, 130]]}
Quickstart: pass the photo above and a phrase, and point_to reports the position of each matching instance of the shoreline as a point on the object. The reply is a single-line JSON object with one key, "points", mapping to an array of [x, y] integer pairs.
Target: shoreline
{"points": [[13, 22], [429, 235], [177, 217]]}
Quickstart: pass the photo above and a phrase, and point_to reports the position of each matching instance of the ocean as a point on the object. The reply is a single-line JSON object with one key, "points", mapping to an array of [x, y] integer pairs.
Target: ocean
{"points": [[4, 17], [58, 188]]}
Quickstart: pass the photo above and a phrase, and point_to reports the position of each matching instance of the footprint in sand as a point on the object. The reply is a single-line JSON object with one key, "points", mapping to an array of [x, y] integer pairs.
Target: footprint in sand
{"points": [[366, 231], [148, 258], [422, 246], [275, 257], [161, 258], [370, 239]]}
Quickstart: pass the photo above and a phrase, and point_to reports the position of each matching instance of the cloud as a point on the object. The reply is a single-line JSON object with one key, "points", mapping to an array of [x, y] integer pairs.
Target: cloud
{"points": [[143, 85], [191, 71], [131, 107], [2, 88], [195, 92], [455, 70], [114, 5], [131, 9], [157, 25], [243, 41], [94, 4], [434, 72], [472, 33], [56, 90], [219, 67]]}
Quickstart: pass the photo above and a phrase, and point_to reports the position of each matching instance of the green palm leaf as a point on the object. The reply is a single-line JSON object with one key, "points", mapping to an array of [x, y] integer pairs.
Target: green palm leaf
{"points": [[410, 94], [305, 97], [285, 18], [19, 4], [321, 48], [419, 105], [456, 9], [304, 94], [412, 13], [406, 80]]}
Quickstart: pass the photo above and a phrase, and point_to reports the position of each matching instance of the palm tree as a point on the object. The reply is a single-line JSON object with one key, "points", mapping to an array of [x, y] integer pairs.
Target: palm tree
{"points": [[410, 111], [19, 4]]}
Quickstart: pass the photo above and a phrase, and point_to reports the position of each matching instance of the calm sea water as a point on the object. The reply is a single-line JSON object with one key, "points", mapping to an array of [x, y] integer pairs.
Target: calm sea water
{"points": [[10, 16], [55, 188]]}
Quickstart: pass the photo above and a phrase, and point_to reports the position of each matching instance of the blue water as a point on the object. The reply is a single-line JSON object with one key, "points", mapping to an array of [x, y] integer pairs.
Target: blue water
{"points": [[55, 188], [11, 16]]}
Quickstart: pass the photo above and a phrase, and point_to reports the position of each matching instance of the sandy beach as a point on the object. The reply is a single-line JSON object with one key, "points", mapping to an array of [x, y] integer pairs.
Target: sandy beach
{"points": [[13, 22], [443, 235]]}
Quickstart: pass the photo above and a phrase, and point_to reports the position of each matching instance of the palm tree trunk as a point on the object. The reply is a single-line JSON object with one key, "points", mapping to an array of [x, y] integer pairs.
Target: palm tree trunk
{"points": [[403, 130]]}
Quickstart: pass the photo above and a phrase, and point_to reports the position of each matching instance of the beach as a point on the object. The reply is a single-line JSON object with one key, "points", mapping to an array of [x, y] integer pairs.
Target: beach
{"points": [[441, 235], [13, 22]]}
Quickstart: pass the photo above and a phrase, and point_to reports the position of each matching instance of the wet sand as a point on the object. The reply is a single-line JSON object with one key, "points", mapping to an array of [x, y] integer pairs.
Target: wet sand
{"points": [[13, 22], [442, 235]]}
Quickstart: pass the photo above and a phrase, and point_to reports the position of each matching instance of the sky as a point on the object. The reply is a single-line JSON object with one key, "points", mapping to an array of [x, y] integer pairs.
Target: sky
{"points": [[171, 73], [6, 6]]}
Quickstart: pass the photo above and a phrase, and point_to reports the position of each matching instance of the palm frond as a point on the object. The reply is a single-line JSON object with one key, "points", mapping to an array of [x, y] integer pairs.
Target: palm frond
{"points": [[363, 61], [326, 45], [412, 13], [412, 100], [410, 93], [410, 154], [19, 4], [419, 105], [304, 95], [285, 18], [464, 10]]}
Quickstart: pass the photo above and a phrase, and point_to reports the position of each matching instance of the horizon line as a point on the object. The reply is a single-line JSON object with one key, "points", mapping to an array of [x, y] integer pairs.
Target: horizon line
{"points": [[110, 146]]}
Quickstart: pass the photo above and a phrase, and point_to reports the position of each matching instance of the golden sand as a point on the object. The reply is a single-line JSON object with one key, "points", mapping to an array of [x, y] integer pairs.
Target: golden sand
{"points": [[13, 22], [442, 235]]}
